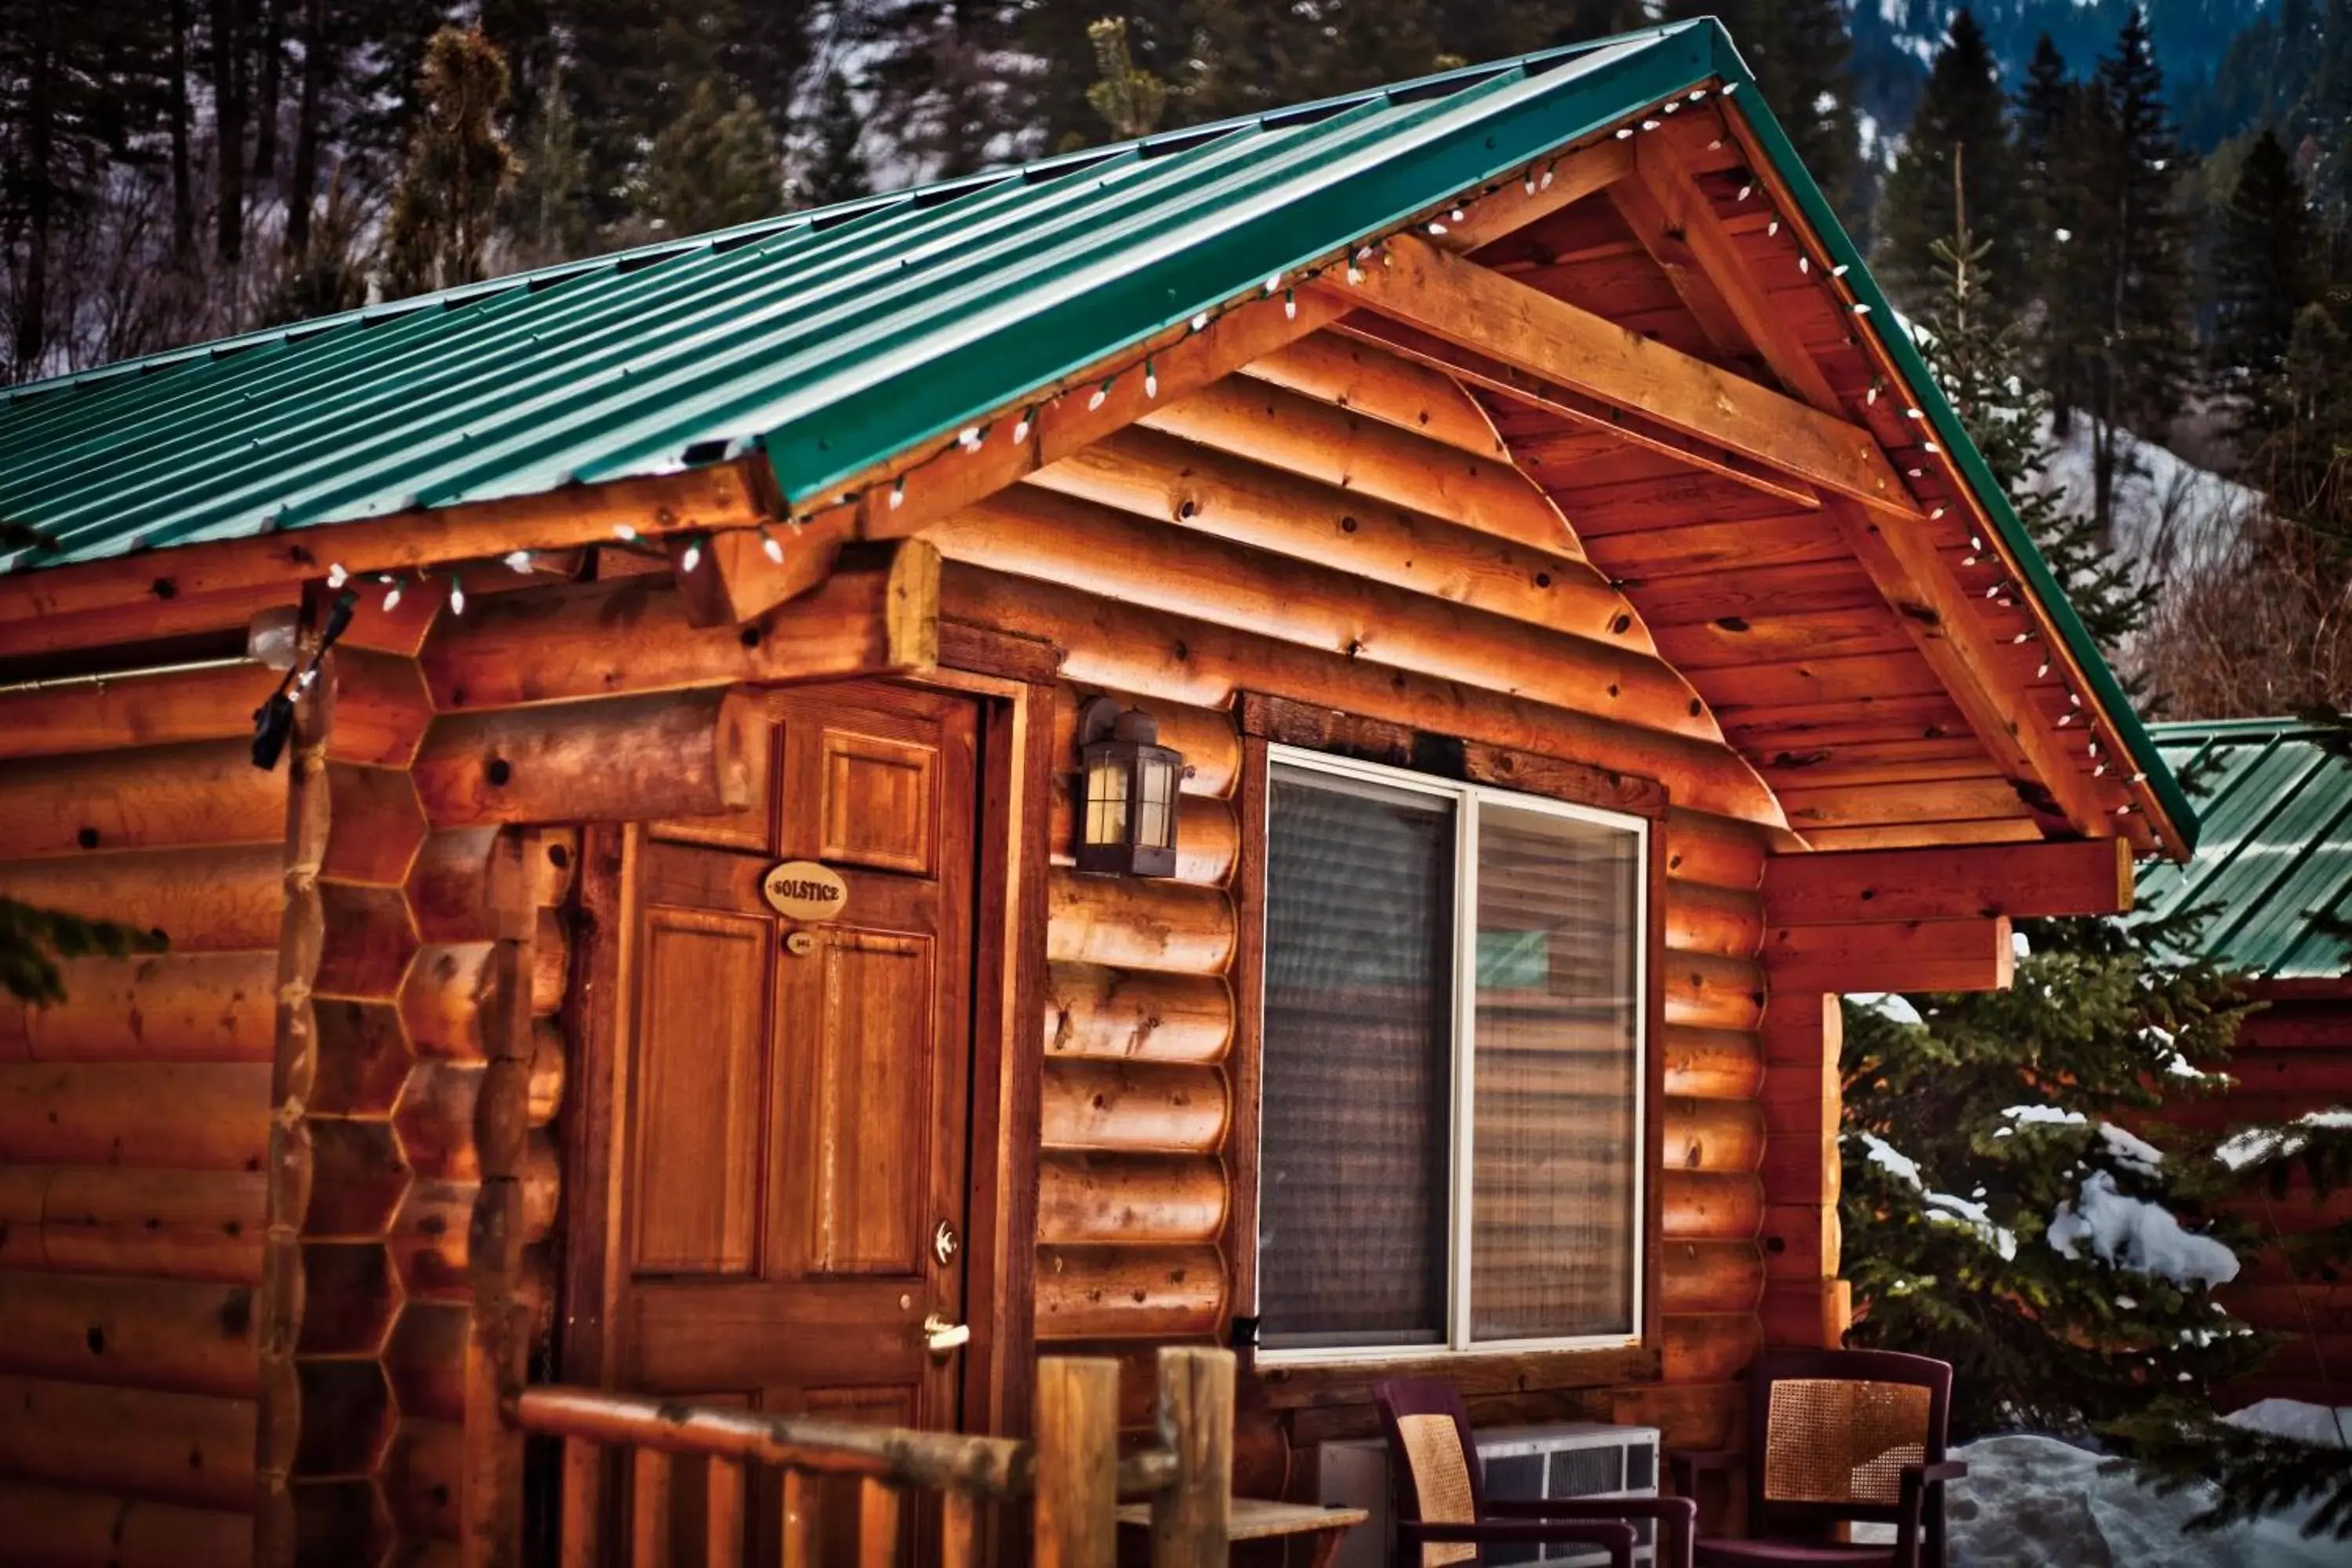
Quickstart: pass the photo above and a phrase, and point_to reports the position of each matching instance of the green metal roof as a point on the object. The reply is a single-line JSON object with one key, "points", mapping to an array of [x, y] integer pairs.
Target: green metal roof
{"points": [[2276, 860], [833, 340]]}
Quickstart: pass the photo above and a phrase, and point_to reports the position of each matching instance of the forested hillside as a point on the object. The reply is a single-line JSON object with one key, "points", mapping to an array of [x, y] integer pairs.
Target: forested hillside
{"points": [[2158, 208]]}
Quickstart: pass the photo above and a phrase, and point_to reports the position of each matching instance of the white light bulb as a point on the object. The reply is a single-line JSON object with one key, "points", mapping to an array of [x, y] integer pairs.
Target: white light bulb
{"points": [[623, 532], [1860, 309], [1804, 264], [1547, 179], [1623, 131], [1772, 228], [1021, 430], [1649, 125], [1200, 321], [772, 547], [1457, 215], [1273, 283], [392, 599], [1436, 227], [691, 559], [1839, 271], [969, 437], [1913, 414], [519, 559], [1100, 395], [457, 598], [1290, 307], [1745, 192], [898, 495], [1151, 383], [337, 576]]}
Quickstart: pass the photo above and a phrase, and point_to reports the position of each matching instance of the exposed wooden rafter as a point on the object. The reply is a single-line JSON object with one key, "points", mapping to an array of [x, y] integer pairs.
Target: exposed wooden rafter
{"points": [[1532, 332], [1675, 210], [1479, 369]]}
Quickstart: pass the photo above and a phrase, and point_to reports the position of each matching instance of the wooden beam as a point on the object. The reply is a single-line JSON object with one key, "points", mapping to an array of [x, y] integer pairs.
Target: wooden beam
{"points": [[1907, 955], [876, 613], [1550, 338], [1943, 624], [697, 500], [1567, 404], [2087, 876], [1663, 236], [1512, 206], [1671, 199], [727, 579]]}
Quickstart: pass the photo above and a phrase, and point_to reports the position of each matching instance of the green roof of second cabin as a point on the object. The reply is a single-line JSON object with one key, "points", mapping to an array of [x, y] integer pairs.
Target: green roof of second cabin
{"points": [[831, 341], [2275, 862]]}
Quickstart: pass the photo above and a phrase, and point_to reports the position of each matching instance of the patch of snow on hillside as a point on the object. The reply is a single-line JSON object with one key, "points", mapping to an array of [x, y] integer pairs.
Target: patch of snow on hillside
{"points": [[2168, 513], [2037, 1502], [2134, 1234]]}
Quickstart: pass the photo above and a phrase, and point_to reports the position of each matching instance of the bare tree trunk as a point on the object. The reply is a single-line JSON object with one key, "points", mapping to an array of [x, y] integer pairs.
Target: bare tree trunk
{"points": [[32, 334], [229, 121], [273, 73], [183, 200], [305, 182]]}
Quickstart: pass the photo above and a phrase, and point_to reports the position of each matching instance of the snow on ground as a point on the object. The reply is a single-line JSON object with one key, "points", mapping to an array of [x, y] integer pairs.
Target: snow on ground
{"points": [[2293, 1418], [2132, 1233], [2037, 1502]]}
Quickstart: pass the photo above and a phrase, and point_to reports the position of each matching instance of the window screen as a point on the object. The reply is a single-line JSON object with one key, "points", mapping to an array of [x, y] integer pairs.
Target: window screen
{"points": [[1354, 1198], [1450, 1148]]}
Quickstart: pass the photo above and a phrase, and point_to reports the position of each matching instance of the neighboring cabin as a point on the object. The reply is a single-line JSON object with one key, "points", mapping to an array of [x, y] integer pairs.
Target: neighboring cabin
{"points": [[1590, 641], [2275, 866]]}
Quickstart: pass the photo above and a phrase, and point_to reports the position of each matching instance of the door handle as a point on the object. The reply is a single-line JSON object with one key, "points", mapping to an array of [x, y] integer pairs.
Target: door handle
{"points": [[942, 1337]]}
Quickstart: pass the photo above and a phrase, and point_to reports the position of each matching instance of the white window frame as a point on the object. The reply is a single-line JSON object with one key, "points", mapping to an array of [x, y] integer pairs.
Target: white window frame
{"points": [[1467, 798]]}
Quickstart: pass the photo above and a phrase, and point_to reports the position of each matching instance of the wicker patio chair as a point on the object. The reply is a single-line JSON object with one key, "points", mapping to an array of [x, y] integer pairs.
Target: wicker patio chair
{"points": [[1444, 1515], [1843, 1436]]}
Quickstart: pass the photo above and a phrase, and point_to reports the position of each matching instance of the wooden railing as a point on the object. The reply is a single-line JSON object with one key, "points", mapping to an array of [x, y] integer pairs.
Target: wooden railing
{"points": [[1069, 1472]]}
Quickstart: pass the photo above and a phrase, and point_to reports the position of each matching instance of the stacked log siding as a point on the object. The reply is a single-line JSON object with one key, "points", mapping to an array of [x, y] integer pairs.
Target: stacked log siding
{"points": [[134, 1121]]}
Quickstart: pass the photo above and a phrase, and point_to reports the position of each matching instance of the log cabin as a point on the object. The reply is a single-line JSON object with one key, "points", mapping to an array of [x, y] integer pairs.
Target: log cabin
{"points": [[2274, 869], [713, 930]]}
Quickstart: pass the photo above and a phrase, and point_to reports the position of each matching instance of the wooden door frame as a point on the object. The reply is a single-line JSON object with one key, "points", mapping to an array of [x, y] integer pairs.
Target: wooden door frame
{"points": [[1013, 783]]}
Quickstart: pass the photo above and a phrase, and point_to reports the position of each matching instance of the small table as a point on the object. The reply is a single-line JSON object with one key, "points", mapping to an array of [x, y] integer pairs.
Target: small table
{"points": [[1261, 1518]]}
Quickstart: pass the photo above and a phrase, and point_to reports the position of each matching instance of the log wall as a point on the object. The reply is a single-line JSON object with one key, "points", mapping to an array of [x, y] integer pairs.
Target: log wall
{"points": [[134, 1124], [1258, 538]]}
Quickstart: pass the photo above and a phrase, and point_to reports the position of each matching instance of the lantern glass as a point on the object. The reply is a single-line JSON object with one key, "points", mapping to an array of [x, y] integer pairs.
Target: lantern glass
{"points": [[1107, 797], [1155, 771]]}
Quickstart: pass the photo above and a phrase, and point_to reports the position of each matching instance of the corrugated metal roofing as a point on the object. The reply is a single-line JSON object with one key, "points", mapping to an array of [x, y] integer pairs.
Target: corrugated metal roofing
{"points": [[2275, 795], [833, 340]]}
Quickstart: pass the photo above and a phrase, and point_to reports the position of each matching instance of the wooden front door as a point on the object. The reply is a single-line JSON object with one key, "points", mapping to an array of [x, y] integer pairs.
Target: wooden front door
{"points": [[793, 1148]]}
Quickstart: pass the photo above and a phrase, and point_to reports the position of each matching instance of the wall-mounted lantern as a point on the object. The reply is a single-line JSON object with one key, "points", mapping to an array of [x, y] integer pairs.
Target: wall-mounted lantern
{"points": [[1128, 783]]}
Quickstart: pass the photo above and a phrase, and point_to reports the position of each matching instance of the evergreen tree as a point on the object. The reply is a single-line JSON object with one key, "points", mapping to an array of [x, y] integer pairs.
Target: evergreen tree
{"points": [[1984, 1132], [33, 939], [712, 167], [549, 215], [2263, 276], [1958, 148], [835, 169], [1131, 101], [447, 198]]}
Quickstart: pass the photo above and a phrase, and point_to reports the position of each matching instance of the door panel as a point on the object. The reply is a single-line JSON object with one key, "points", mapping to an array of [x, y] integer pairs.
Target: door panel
{"points": [[795, 1134], [696, 1170]]}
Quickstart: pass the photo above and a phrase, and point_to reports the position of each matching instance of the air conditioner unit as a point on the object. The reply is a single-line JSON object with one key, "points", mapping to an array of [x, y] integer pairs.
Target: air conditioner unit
{"points": [[1569, 1459]]}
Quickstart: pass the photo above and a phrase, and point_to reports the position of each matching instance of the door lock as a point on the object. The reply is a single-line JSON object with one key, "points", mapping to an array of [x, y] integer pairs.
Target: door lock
{"points": [[943, 1339]]}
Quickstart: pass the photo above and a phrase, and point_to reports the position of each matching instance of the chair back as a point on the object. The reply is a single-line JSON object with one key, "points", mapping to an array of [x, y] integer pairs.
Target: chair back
{"points": [[1432, 1463], [1835, 1428]]}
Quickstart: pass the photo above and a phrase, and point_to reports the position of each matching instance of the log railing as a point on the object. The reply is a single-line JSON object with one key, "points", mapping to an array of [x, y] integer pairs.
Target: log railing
{"points": [[1069, 1472]]}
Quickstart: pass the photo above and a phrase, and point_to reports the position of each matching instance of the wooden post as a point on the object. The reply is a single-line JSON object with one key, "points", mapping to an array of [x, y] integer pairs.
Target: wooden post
{"points": [[1196, 1423], [1078, 1462]]}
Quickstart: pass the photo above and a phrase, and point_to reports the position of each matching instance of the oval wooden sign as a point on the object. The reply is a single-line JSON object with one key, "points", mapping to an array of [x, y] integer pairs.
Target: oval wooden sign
{"points": [[805, 890]]}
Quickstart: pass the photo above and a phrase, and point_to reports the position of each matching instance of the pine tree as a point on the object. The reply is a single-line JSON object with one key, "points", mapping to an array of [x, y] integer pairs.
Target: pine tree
{"points": [[834, 169], [1130, 100], [443, 210], [1959, 147], [2264, 275], [549, 215], [714, 166], [1983, 1132], [33, 939]]}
